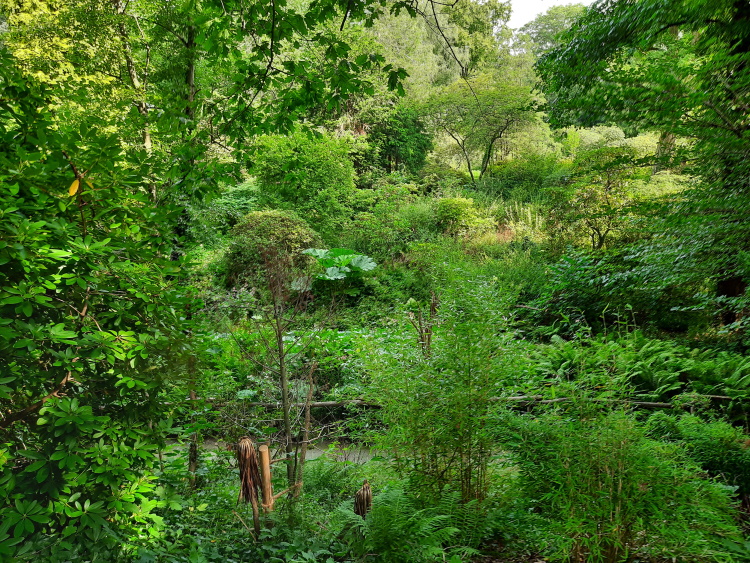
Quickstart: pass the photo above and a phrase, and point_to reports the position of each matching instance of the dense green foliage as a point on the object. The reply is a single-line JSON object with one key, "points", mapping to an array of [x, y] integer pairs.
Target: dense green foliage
{"points": [[87, 313], [311, 176], [617, 495], [358, 233], [400, 139], [261, 238]]}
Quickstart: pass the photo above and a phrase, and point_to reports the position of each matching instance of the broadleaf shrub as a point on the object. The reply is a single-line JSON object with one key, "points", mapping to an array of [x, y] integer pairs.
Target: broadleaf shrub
{"points": [[90, 328], [309, 175], [458, 216], [264, 236]]}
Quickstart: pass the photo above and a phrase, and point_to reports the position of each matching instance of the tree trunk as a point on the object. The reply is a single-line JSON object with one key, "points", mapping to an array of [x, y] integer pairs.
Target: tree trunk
{"points": [[487, 157], [300, 464], [468, 163], [139, 88], [664, 149], [286, 404], [190, 74]]}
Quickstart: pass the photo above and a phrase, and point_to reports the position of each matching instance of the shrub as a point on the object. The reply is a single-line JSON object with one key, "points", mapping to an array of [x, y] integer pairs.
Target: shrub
{"points": [[391, 226], [437, 178], [717, 446], [435, 382], [615, 494], [216, 217], [400, 138], [263, 236], [596, 289], [313, 176], [523, 179], [458, 216]]}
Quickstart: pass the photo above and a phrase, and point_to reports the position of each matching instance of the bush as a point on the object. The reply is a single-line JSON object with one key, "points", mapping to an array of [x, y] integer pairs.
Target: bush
{"points": [[598, 289], [400, 138], [435, 381], [312, 176], [717, 446], [215, 218], [523, 179], [391, 226], [458, 216], [264, 236], [437, 178], [615, 495]]}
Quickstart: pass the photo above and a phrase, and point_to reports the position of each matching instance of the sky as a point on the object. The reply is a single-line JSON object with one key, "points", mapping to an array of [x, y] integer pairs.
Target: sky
{"points": [[526, 10]]}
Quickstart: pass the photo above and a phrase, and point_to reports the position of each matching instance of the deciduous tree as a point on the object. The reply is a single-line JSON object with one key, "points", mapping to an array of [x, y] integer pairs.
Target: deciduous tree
{"points": [[679, 66], [475, 114]]}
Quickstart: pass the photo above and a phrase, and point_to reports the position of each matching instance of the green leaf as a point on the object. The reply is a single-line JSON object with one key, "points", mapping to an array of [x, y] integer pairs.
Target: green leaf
{"points": [[364, 263]]}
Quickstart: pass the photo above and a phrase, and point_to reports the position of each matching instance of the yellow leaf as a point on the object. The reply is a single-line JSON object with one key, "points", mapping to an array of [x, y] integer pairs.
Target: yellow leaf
{"points": [[89, 184], [73, 188]]}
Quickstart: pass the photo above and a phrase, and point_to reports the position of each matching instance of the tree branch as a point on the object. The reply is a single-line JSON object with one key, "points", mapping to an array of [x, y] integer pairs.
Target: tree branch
{"points": [[22, 414]]}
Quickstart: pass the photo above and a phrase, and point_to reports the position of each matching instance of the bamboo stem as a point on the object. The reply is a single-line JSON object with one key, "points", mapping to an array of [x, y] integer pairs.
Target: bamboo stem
{"points": [[306, 431], [265, 474]]}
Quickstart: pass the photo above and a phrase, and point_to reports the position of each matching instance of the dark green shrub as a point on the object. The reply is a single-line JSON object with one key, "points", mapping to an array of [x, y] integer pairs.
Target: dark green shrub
{"points": [[599, 290], [216, 217], [718, 447], [264, 236], [400, 138], [615, 495]]}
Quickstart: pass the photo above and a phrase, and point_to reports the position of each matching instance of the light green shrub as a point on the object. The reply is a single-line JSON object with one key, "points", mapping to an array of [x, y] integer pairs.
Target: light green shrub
{"points": [[524, 179], [458, 216], [526, 222], [312, 176], [615, 495], [435, 381], [437, 178]]}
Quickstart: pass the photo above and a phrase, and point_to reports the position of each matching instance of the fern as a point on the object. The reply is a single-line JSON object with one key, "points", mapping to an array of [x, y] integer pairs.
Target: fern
{"points": [[396, 531], [469, 518], [650, 368]]}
